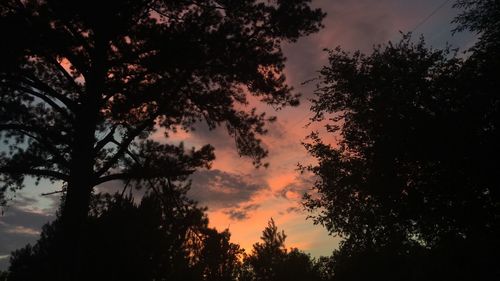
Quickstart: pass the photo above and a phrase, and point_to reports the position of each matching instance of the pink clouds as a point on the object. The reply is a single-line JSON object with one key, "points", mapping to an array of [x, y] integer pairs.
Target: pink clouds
{"points": [[240, 197], [352, 25], [243, 198]]}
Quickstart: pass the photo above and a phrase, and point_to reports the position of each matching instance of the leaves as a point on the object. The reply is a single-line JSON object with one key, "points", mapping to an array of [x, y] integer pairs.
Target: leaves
{"points": [[411, 174], [106, 75]]}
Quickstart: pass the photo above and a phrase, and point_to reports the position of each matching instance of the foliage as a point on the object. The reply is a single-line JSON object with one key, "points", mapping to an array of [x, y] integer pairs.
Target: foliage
{"points": [[214, 257], [84, 85], [66, 69], [4, 275], [271, 261], [481, 16], [395, 133], [267, 255], [412, 177], [153, 240]]}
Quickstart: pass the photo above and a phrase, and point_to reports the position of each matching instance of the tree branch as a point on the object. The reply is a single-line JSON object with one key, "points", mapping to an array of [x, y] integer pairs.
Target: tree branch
{"points": [[107, 139], [37, 129], [38, 84], [53, 192], [63, 71], [129, 176], [216, 5], [25, 130], [123, 146], [34, 172], [52, 150], [41, 96], [78, 36]]}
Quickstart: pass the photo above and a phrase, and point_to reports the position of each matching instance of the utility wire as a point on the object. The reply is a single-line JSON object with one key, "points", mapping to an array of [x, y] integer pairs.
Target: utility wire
{"points": [[430, 15], [421, 23]]}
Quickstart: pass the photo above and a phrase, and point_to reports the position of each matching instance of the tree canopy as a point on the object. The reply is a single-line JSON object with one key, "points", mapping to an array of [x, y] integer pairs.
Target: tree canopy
{"points": [[158, 240], [270, 260], [85, 84], [164, 237], [412, 176]]}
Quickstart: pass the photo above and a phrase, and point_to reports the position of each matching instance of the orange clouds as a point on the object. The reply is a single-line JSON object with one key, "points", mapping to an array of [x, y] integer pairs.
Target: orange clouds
{"points": [[242, 198], [277, 182]]}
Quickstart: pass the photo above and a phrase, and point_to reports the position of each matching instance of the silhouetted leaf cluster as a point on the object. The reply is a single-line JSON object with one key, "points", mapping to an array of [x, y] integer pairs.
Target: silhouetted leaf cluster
{"points": [[270, 260], [149, 240], [85, 84], [161, 238], [412, 185]]}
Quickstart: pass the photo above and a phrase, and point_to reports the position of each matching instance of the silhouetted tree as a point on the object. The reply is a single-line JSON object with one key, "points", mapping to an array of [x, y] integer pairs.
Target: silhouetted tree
{"points": [[325, 267], [271, 261], [4, 275], [215, 257], [83, 85], [481, 17], [269, 254], [412, 178], [162, 238]]}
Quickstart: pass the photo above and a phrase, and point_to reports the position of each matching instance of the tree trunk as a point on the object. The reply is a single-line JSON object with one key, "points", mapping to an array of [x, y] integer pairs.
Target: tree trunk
{"points": [[76, 204], [82, 175]]}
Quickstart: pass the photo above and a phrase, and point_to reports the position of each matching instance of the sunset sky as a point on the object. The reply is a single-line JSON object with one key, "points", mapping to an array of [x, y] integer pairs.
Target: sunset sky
{"points": [[238, 196]]}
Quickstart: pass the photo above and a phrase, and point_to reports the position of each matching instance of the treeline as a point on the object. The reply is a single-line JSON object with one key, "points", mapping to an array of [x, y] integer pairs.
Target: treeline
{"points": [[163, 237]]}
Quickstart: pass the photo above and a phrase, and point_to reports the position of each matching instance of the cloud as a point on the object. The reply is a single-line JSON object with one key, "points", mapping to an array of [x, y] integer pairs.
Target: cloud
{"points": [[241, 213], [234, 191], [217, 189], [293, 210], [22, 221], [23, 201], [296, 189], [34, 203], [19, 227], [4, 261]]}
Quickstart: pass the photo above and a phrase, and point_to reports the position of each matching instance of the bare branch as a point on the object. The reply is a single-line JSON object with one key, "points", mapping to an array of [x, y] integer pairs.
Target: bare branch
{"points": [[53, 192], [129, 176]]}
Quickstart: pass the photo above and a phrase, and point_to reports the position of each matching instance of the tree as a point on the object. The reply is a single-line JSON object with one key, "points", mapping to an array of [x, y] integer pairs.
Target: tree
{"points": [[412, 174], [269, 254], [4, 276], [481, 17], [215, 257], [152, 240], [83, 85], [271, 261]]}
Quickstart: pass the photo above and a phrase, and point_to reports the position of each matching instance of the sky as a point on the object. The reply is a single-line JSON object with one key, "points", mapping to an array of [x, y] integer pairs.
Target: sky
{"points": [[239, 196]]}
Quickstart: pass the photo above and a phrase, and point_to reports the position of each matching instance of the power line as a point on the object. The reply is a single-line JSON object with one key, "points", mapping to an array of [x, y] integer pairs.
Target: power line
{"points": [[430, 15]]}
